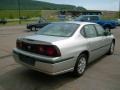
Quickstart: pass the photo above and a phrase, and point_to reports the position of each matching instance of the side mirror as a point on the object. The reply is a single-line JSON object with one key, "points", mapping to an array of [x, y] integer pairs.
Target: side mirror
{"points": [[106, 33]]}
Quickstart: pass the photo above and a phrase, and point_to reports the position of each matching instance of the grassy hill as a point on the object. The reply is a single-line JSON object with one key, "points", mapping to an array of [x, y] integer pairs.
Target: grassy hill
{"points": [[30, 8], [35, 5]]}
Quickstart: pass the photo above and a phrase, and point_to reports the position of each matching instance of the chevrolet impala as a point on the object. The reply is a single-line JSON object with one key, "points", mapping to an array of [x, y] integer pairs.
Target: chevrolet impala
{"points": [[63, 47]]}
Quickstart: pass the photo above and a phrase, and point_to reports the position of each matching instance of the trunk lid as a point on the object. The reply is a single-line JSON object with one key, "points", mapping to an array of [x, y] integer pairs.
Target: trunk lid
{"points": [[42, 39]]}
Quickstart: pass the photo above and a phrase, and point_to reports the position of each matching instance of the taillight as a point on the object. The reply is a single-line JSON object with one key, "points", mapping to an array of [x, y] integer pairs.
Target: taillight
{"points": [[51, 51], [19, 44], [48, 50]]}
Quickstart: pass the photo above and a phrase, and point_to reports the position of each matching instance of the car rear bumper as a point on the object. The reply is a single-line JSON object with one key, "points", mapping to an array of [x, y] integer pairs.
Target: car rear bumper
{"points": [[52, 67]]}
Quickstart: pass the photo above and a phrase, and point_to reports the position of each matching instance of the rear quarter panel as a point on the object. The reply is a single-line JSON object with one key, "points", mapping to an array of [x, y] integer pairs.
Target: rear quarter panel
{"points": [[71, 47]]}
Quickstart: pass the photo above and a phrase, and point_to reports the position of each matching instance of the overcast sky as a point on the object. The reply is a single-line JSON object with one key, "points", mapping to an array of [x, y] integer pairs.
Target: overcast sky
{"points": [[111, 5]]}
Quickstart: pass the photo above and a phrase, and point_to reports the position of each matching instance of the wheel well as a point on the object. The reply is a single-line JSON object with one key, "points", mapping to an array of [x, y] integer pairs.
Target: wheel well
{"points": [[113, 41], [86, 53]]}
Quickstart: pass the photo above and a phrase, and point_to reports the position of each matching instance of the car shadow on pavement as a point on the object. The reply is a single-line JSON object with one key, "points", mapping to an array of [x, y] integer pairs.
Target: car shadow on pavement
{"points": [[25, 79], [96, 61], [29, 30]]}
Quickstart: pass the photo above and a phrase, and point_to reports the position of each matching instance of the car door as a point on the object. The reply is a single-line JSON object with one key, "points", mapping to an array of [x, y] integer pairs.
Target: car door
{"points": [[105, 40], [94, 42]]}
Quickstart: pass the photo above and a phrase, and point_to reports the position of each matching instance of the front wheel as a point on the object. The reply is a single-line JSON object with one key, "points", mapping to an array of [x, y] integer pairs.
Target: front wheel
{"points": [[80, 65], [111, 50]]}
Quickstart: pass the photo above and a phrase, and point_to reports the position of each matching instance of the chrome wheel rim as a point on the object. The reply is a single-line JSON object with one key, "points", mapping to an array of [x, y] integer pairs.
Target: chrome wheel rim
{"points": [[33, 28], [81, 65], [112, 48]]}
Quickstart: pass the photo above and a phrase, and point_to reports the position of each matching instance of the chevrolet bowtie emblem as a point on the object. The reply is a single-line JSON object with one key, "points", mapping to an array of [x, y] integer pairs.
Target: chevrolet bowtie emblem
{"points": [[29, 47]]}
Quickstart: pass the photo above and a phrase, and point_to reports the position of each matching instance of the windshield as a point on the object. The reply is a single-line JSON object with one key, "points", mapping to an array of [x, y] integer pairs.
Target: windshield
{"points": [[81, 18], [87, 18], [59, 29]]}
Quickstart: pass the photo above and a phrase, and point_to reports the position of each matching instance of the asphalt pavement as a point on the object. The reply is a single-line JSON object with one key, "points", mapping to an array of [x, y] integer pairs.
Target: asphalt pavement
{"points": [[103, 74]]}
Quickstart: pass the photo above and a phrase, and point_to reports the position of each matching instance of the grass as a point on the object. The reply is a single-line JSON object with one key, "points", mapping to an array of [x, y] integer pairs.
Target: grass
{"points": [[16, 23], [24, 22], [11, 14]]}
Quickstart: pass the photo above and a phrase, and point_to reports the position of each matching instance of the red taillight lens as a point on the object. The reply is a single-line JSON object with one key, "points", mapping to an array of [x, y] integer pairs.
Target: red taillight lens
{"points": [[19, 44], [49, 50], [46, 50]]}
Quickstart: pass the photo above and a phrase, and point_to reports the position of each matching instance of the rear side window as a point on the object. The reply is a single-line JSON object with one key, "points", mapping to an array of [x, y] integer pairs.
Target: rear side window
{"points": [[59, 29], [89, 31]]}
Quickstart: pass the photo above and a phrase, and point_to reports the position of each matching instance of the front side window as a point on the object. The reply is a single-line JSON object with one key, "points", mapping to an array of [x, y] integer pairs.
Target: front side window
{"points": [[100, 30], [59, 29], [90, 31]]}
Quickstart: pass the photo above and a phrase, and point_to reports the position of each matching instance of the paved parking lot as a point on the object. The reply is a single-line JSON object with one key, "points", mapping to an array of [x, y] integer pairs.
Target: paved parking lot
{"points": [[103, 74]]}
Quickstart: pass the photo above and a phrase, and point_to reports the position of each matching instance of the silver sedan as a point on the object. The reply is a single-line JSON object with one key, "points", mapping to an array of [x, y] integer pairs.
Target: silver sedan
{"points": [[64, 46]]}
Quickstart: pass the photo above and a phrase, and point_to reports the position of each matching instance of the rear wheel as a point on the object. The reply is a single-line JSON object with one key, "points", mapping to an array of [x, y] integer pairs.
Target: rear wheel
{"points": [[4, 22], [80, 65], [33, 28]]}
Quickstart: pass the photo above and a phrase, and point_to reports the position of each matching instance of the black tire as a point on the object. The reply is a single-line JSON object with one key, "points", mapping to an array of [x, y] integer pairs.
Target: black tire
{"points": [[33, 28], [80, 69], [111, 50], [4, 22]]}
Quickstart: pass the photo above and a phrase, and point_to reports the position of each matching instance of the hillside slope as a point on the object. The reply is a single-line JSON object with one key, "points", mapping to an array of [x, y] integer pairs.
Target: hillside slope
{"points": [[35, 5]]}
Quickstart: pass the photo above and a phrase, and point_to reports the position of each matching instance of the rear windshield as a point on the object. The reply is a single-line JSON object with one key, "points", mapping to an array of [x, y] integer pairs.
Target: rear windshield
{"points": [[59, 29]]}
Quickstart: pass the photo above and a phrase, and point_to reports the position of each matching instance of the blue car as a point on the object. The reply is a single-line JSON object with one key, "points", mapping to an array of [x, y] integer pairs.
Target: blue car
{"points": [[106, 24]]}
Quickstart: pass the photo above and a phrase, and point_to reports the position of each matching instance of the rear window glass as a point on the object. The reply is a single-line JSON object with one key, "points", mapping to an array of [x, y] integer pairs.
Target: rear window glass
{"points": [[59, 29]]}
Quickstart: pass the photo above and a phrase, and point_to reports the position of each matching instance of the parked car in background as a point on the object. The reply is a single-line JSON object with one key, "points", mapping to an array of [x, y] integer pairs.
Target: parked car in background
{"points": [[106, 24], [39, 24], [62, 17], [64, 46], [118, 21], [3, 21]]}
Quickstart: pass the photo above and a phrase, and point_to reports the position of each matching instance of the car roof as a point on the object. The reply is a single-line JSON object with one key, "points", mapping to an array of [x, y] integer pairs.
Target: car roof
{"points": [[89, 15], [76, 22]]}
